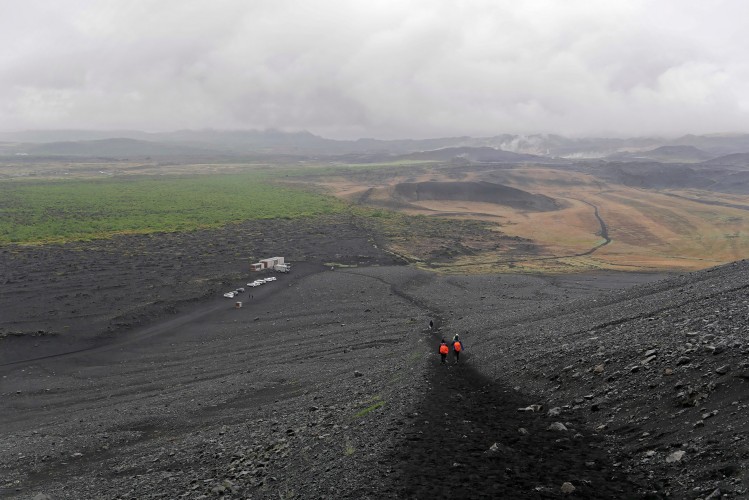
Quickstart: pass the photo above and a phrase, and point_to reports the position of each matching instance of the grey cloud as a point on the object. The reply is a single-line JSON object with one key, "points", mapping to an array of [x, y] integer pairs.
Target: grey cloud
{"points": [[383, 69]]}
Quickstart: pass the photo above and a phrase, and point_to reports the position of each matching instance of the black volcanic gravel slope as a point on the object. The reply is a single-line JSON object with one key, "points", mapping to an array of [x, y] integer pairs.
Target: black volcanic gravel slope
{"points": [[330, 387], [294, 395], [661, 370]]}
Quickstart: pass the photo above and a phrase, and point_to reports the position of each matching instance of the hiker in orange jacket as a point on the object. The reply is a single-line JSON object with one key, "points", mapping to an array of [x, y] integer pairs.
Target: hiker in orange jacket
{"points": [[443, 350], [457, 348]]}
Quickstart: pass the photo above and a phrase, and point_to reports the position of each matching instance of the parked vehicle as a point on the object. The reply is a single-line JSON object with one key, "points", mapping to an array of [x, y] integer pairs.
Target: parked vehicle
{"points": [[282, 268], [270, 278], [230, 295]]}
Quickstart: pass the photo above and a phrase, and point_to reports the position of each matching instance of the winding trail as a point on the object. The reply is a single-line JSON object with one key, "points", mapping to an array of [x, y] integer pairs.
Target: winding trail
{"points": [[603, 232]]}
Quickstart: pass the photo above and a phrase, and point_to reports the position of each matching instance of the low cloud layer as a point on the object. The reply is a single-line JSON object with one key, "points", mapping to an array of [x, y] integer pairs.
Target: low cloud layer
{"points": [[383, 69]]}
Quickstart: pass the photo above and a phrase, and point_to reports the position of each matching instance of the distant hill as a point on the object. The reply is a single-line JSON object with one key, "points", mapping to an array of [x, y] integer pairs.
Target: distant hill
{"points": [[601, 147], [666, 154], [118, 148], [684, 154], [652, 175], [732, 160], [481, 155], [44, 136], [716, 145], [735, 183]]}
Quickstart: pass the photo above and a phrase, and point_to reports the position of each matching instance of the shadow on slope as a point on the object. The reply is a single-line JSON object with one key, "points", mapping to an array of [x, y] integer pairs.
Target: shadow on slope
{"points": [[468, 439], [485, 192]]}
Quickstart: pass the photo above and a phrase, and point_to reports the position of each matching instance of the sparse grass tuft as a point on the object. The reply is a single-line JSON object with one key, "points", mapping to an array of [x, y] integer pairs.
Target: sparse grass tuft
{"points": [[349, 448], [369, 409]]}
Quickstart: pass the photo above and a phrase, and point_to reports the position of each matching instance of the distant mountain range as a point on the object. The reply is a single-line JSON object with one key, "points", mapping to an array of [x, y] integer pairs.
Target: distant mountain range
{"points": [[113, 148], [472, 154], [500, 148]]}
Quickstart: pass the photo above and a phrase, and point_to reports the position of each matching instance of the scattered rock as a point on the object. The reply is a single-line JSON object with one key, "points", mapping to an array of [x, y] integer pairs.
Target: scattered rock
{"points": [[533, 408], [499, 449], [598, 369], [707, 415], [357, 373], [557, 427], [675, 456], [684, 360], [722, 370], [567, 488], [554, 412]]}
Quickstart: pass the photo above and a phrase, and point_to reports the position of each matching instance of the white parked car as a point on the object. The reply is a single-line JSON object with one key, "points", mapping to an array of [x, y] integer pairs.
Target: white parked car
{"points": [[272, 278], [230, 295], [254, 284]]}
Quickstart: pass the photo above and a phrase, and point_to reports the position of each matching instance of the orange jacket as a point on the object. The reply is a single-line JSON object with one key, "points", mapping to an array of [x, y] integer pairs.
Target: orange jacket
{"points": [[457, 346], [444, 349]]}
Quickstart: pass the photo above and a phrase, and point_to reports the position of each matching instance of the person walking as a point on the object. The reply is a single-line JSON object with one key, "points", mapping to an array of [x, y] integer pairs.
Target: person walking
{"points": [[431, 324], [444, 350], [457, 348]]}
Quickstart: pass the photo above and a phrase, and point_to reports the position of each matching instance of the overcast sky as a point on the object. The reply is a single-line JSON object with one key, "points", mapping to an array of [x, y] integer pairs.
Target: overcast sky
{"points": [[385, 69]]}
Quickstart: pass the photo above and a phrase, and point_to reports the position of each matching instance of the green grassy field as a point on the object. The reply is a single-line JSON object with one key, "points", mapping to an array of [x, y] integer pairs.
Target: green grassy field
{"points": [[82, 209]]}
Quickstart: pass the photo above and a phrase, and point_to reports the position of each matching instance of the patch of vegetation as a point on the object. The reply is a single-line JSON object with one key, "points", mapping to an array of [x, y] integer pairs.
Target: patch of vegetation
{"points": [[85, 209]]}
